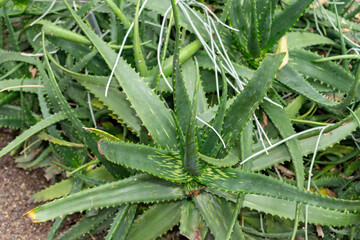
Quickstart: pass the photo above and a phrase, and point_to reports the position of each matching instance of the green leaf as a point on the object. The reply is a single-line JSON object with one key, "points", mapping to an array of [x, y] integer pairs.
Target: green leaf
{"points": [[284, 20], [231, 159], [64, 187], [306, 39], [282, 122], [151, 110], [307, 145], [191, 159], [240, 17], [190, 75], [253, 39], [46, 137], [292, 79], [155, 221], [139, 188], [246, 145], [9, 56], [56, 31], [78, 51], [266, 11], [326, 72], [191, 223], [240, 111], [233, 180], [86, 224], [32, 85], [12, 122], [182, 102], [116, 102], [122, 222], [161, 163], [46, 122], [59, 103], [286, 209], [217, 213], [205, 62], [212, 139]]}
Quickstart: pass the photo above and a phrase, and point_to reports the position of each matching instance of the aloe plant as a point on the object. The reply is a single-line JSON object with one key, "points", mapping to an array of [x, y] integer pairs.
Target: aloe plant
{"points": [[171, 153]]}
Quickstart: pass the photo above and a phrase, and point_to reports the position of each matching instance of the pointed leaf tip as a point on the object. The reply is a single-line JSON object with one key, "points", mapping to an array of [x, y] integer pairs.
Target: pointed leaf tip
{"points": [[31, 214]]}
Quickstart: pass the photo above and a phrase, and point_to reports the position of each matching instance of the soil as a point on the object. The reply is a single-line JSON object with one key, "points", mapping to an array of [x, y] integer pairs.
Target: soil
{"points": [[16, 188]]}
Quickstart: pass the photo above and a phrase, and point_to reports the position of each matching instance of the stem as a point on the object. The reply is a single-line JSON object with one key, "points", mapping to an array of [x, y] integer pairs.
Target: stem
{"points": [[296, 222], [138, 54], [345, 56], [185, 53], [343, 45], [166, 42], [84, 166], [118, 13], [234, 218]]}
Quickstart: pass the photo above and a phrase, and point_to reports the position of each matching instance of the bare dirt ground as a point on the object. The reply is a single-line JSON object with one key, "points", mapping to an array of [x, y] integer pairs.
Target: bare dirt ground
{"points": [[16, 187]]}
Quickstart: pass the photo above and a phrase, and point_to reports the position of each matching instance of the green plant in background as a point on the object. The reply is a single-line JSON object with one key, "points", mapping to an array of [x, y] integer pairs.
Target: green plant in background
{"points": [[184, 157]]}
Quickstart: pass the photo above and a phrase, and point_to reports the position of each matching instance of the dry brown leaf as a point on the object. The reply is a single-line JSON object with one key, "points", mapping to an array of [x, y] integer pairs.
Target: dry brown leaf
{"points": [[331, 193], [286, 172], [33, 71], [319, 231]]}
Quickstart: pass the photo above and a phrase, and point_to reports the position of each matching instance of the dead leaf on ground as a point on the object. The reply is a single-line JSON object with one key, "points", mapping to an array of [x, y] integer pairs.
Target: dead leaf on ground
{"points": [[319, 231], [331, 193], [33, 71]]}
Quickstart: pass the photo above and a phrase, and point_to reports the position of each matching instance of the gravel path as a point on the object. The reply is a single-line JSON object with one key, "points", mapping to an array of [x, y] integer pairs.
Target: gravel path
{"points": [[16, 187]]}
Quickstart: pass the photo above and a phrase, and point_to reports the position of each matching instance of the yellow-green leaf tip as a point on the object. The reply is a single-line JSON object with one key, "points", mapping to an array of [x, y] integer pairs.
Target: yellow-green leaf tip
{"points": [[31, 214]]}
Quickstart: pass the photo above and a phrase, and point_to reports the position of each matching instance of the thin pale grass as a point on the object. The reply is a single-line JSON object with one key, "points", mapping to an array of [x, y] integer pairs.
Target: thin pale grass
{"points": [[105, 33], [164, 50], [262, 224], [37, 54], [281, 142], [278, 173], [44, 14], [226, 56], [74, 5], [210, 27], [91, 110], [230, 67], [27, 147], [121, 49], [309, 178], [204, 7], [154, 24], [260, 139], [322, 9], [93, 10], [212, 128], [203, 42], [212, 43], [261, 132], [21, 86], [159, 48]]}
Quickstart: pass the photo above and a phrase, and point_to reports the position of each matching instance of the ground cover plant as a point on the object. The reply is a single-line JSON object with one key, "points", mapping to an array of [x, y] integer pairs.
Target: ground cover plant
{"points": [[229, 120]]}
